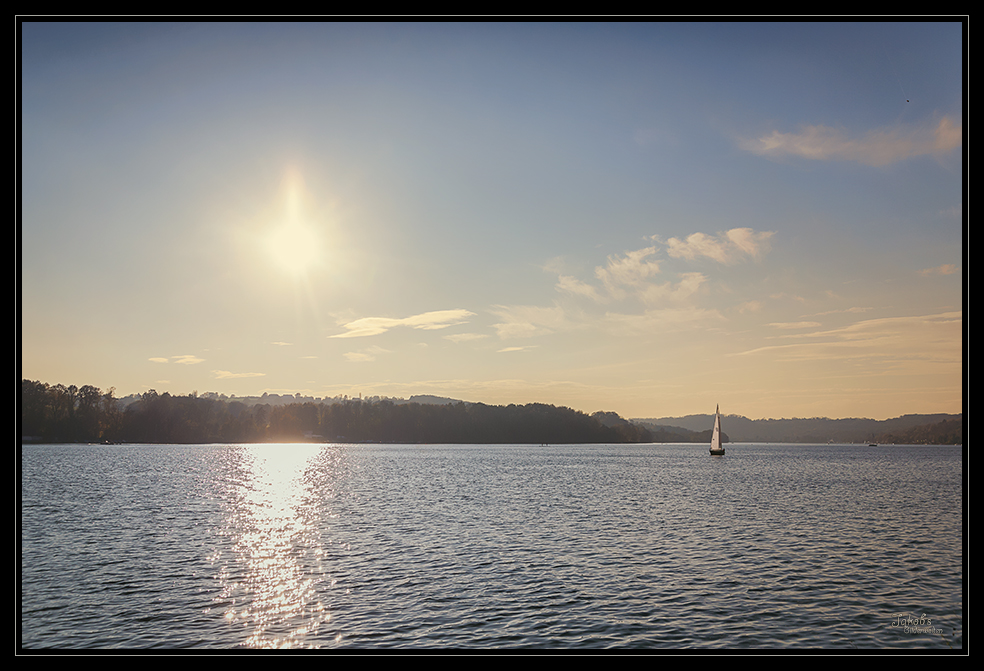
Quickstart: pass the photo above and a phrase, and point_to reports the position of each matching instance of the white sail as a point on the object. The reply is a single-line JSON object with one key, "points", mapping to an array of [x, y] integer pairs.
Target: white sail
{"points": [[716, 436]]}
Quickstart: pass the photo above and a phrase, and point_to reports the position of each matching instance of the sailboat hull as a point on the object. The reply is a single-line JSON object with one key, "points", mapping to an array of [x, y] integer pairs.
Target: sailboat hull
{"points": [[717, 452]]}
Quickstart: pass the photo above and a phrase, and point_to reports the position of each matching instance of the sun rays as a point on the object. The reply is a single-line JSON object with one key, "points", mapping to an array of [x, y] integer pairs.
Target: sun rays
{"points": [[293, 243]]}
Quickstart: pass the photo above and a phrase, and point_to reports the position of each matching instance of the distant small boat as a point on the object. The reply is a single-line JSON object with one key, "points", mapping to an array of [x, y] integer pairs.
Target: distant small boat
{"points": [[716, 447]]}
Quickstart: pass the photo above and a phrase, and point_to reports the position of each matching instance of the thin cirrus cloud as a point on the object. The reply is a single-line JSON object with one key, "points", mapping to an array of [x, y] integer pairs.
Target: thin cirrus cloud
{"points": [[186, 359], [929, 339], [794, 325], [365, 355], [661, 320], [945, 269], [524, 321], [466, 337], [876, 148], [572, 285], [370, 326], [521, 348]]}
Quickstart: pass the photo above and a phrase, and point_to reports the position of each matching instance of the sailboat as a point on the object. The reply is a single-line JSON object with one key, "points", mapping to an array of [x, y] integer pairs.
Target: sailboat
{"points": [[716, 436]]}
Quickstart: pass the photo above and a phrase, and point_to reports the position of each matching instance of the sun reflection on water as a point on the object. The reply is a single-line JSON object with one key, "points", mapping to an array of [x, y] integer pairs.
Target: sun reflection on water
{"points": [[270, 585]]}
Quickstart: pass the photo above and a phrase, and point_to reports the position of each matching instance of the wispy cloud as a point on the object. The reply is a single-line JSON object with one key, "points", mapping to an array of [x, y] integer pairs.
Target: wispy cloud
{"points": [[632, 273], [852, 310], [929, 338], [688, 285], [945, 269], [364, 355], [631, 270], [465, 337], [875, 148], [783, 296], [661, 320], [572, 285], [186, 359], [226, 375], [727, 247], [750, 306], [524, 321], [370, 326], [794, 325]]}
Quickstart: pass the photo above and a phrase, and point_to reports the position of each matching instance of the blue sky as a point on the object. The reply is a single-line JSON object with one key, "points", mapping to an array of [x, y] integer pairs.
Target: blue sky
{"points": [[645, 218]]}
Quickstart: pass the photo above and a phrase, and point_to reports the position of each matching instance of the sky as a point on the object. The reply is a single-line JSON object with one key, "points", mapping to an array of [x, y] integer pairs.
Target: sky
{"points": [[647, 218]]}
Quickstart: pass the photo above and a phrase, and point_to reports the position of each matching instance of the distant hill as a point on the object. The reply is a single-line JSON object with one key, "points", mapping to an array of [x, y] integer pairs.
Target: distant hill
{"points": [[653, 434], [905, 429], [946, 432]]}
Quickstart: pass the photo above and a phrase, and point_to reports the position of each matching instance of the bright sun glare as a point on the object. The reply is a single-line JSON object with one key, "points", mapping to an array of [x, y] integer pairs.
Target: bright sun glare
{"points": [[293, 242], [294, 247]]}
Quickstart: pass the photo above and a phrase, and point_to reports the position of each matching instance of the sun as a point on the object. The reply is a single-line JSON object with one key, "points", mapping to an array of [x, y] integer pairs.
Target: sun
{"points": [[293, 241], [294, 247]]}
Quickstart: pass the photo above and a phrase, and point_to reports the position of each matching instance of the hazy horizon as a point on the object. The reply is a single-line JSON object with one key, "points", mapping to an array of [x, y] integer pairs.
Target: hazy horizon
{"points": [[651, 219]]}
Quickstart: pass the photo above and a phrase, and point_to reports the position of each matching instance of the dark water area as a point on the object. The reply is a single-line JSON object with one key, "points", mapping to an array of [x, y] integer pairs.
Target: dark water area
{"points": [[491, 547]]}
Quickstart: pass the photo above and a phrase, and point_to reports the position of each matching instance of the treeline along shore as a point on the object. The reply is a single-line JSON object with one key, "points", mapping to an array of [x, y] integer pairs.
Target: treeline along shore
{"points": [[59, 413], [70, 414]]}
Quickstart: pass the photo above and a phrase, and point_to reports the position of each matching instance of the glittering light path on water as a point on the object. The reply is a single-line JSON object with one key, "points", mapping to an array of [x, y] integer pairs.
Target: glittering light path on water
{"points": [[272, 582]]}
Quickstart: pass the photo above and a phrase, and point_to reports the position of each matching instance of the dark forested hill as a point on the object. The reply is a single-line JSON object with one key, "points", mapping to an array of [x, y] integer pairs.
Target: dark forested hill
{"points": [[59, 413]]}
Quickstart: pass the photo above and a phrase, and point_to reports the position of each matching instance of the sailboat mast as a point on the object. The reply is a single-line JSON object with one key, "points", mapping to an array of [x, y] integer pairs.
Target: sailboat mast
{"points": [[716, 434]]}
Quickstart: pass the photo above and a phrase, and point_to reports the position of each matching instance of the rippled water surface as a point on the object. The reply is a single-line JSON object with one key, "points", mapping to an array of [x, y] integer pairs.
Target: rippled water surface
{"points": [[491, 547]]}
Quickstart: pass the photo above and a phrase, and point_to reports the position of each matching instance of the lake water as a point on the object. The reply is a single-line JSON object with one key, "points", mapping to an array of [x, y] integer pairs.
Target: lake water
{"points": [[491, 547]]}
